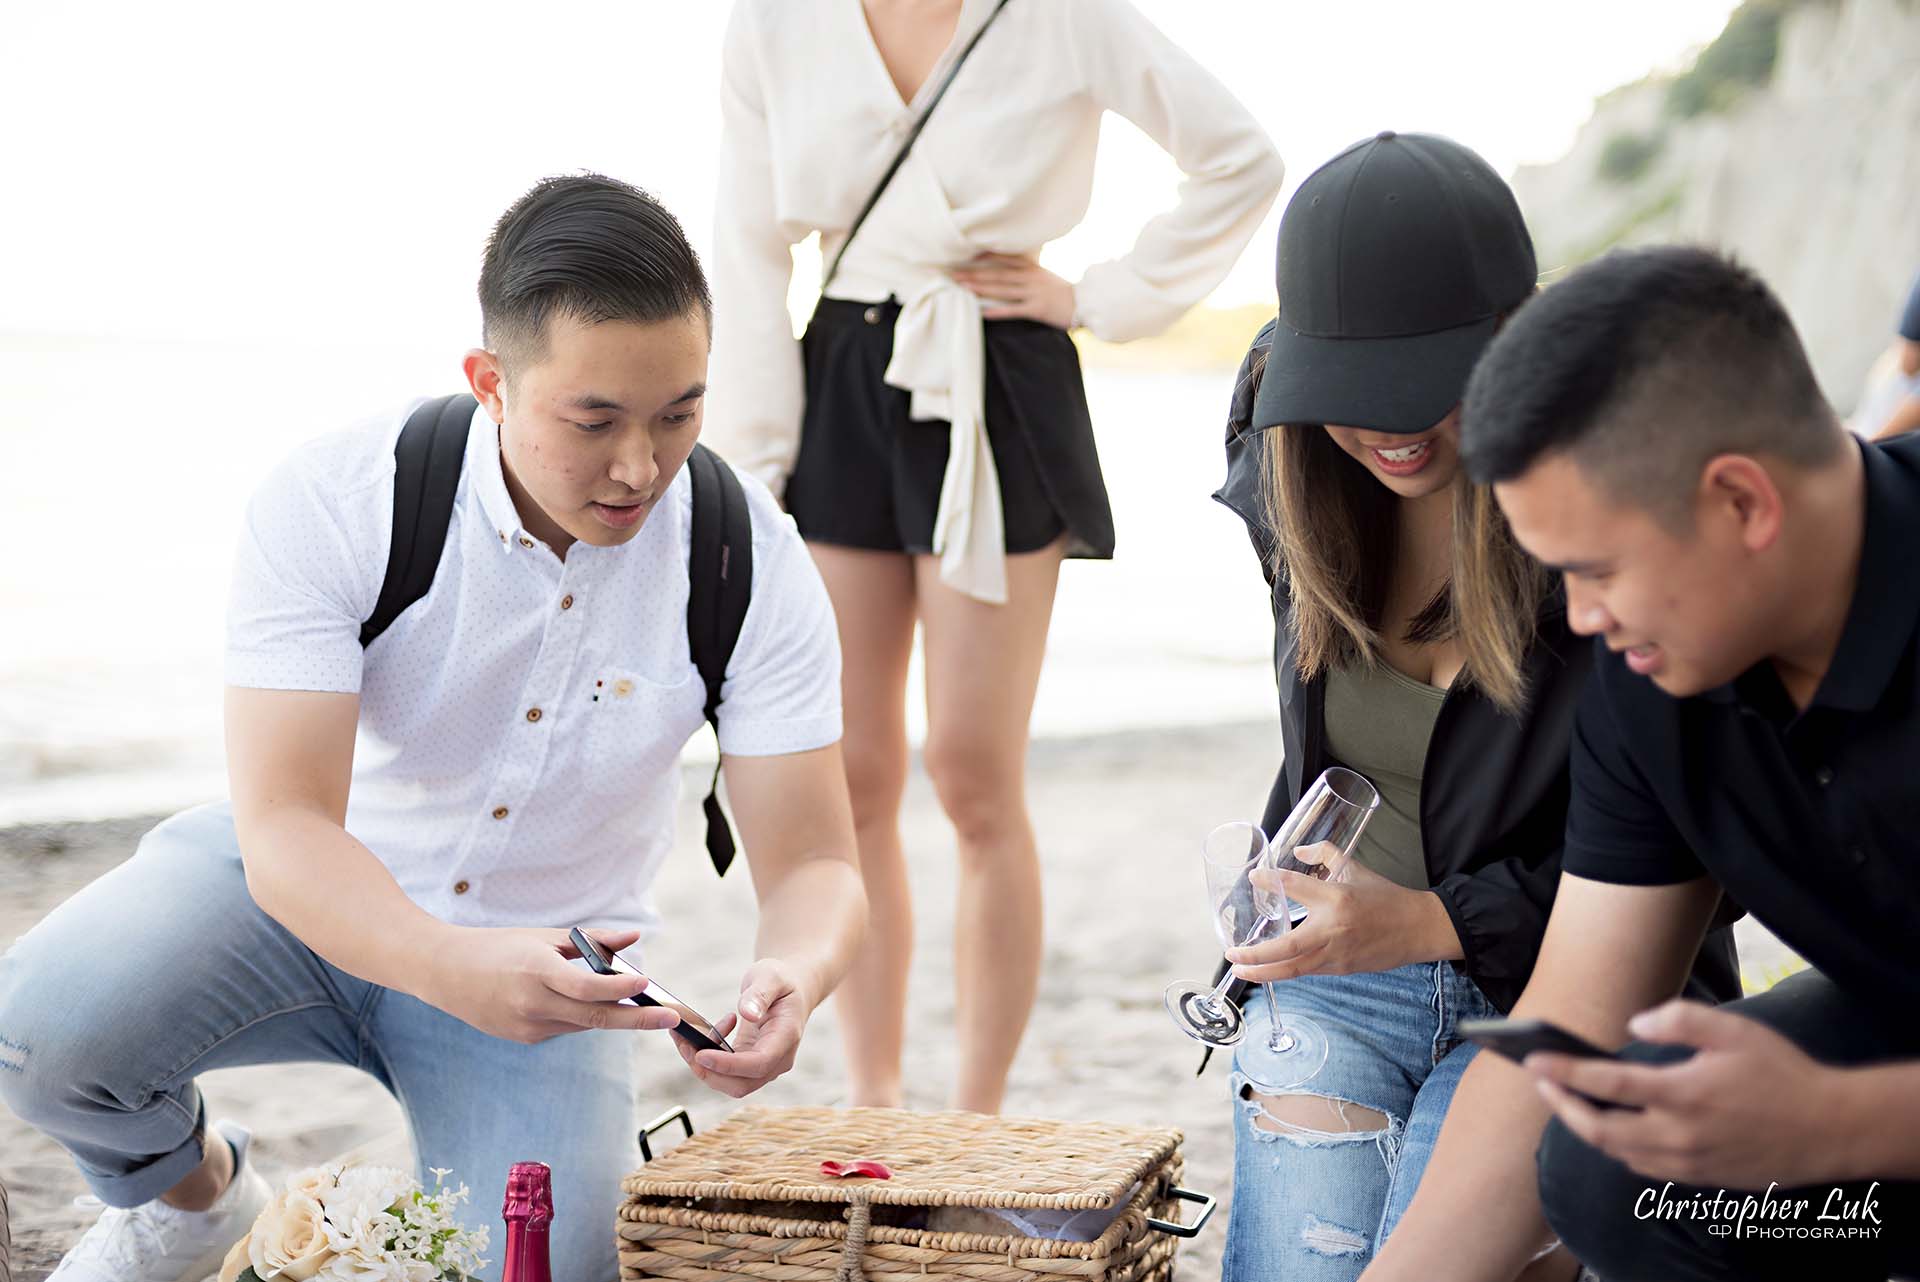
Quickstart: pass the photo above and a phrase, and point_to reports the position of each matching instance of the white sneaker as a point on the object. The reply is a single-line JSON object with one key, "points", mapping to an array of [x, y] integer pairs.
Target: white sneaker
{"points": [[160, 1243]]}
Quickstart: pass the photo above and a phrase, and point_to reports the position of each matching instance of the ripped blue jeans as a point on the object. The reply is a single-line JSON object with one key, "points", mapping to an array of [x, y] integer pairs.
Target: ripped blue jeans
{"points": [[1312, 1203]]}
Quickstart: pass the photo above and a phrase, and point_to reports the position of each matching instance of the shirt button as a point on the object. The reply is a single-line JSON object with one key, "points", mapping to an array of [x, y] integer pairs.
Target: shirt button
{"points": [[461, 887], [525, 542], [871, 315], [566, 602], [499, 812], [533, 714], [1823, 776]]}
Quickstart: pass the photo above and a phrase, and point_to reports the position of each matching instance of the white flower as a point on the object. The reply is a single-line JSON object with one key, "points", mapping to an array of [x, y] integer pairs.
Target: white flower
{"points": [[362, 1191], [382, 1268], [289, 1239]]}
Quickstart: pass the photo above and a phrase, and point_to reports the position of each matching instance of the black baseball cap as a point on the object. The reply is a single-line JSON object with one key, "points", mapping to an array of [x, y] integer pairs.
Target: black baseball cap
{"points": [[1397, 259]]}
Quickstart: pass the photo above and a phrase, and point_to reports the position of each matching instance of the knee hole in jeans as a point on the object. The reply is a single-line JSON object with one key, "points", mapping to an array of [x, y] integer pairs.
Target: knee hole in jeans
{"points": [[1297, 1114]]}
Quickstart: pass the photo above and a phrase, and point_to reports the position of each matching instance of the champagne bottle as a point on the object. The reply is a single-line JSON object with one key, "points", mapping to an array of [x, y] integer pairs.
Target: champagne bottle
{"points": [[529, 1214]]}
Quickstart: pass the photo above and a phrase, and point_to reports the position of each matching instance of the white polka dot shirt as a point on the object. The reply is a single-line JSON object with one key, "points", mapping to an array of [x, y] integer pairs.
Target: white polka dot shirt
{"points": [[521, 724]]}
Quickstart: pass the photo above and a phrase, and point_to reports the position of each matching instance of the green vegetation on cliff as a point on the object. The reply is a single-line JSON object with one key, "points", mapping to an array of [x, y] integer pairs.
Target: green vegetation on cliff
{"points": [[1739, 60], [1627, 155]]}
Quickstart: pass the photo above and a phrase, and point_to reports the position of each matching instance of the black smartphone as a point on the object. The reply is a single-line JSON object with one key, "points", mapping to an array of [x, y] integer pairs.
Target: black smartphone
{"points": [[694, 1027], [1518, 1038]]}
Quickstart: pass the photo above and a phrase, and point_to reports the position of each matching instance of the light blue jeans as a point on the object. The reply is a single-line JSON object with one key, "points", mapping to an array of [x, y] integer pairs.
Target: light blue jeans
{"points": [[1314, 1206], [164, 968]]}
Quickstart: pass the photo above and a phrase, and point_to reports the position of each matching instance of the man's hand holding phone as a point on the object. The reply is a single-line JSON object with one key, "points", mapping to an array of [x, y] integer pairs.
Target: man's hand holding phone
{"points": [[689, 1025], [520, 984], [1748, 1108], [772, 1015]]}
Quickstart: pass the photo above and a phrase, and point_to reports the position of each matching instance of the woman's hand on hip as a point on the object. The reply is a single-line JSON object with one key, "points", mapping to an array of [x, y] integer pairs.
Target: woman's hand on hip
{"points": [[1011, 288], [1357, 922]]}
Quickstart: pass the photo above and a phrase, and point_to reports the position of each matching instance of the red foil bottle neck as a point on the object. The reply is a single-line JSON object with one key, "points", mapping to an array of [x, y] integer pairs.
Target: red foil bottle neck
{"points": [[529, 1195]]}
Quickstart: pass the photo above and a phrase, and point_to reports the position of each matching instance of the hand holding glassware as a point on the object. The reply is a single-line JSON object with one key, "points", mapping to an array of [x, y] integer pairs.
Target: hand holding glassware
{"points": [[1332, 813], [1246, 912], [1331, 816]]}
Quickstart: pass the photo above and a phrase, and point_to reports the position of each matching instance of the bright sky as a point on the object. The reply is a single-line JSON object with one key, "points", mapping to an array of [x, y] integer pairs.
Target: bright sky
{"points": [[269, 171]]}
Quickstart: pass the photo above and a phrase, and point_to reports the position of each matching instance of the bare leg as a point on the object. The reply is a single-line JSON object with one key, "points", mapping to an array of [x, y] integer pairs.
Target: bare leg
{"points": [[208, 1181], [873, 598], [983, 667]]}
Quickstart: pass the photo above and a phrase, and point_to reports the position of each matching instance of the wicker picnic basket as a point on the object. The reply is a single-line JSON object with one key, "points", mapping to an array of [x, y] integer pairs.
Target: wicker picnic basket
{"points": [[748, 1200], [6, 1240]]}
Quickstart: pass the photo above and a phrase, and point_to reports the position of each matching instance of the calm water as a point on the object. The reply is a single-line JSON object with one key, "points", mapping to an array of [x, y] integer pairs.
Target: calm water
{"points": [[128, 465]]}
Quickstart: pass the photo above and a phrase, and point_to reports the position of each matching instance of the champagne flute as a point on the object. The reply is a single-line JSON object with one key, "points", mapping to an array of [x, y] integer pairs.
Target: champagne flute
{"points": [[1333, 811], [1229, 854]]}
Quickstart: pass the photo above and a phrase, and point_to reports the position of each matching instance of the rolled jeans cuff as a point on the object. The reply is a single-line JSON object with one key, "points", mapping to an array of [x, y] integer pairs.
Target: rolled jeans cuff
{"points": [[147, 1182]]}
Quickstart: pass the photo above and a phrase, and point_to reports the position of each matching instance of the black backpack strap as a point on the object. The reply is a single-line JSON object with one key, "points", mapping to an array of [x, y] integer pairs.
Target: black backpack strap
{"points": [[426, 472], [720, 586]]}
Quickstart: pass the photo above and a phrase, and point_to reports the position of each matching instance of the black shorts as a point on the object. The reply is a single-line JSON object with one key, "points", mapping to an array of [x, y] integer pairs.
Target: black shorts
{"points": [[869, 476]]}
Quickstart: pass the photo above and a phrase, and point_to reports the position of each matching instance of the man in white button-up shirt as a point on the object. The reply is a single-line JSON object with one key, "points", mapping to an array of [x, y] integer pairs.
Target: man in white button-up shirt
{"points": [[416, 823]]}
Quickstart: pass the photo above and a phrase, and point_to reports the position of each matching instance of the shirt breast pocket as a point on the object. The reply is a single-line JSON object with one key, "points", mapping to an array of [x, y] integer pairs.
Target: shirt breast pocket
{"points": [[636, 728]]}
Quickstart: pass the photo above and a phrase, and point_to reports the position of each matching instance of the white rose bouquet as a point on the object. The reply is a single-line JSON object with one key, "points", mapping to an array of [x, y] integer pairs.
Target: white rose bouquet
{"points": [[358, 1224]]}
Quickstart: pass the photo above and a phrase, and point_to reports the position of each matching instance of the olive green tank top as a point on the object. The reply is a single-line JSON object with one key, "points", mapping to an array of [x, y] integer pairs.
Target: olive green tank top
{"points": [[1378, 722]]}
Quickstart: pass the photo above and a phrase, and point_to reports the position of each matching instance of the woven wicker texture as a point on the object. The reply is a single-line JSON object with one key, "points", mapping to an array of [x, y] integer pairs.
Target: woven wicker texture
{"points": [[690, 1245], [938, 1159], [769, 1214], [6, 1240]]}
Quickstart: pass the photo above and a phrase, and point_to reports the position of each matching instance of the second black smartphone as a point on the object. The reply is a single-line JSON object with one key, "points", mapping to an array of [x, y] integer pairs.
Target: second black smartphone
{"points": [[698, 1031], [1519, 1038]]}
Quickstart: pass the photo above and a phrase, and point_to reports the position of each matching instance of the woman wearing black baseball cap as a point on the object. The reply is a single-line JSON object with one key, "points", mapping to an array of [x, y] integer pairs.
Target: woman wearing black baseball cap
{"points": [[1417, 644]]}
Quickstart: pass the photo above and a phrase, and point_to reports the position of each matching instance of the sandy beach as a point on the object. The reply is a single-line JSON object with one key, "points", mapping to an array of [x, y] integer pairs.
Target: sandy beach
{"points": [[1119, 818]]}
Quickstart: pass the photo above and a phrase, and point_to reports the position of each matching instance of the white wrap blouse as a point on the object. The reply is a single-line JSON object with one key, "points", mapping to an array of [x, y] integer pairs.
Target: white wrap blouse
{"points": [[810, 120]]}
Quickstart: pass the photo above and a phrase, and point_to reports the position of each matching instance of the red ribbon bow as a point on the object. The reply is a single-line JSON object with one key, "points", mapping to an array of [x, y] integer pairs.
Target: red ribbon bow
{"points": [[842, 1170]]}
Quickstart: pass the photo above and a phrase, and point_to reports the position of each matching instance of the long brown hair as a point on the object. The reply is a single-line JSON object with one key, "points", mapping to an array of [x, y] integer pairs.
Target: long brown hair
{"points": [[1336, 529]]}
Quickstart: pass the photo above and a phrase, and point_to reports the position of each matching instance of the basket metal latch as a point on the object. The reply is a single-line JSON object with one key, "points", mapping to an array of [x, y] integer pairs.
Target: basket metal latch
{"points": [[661, 1123], [1207, 1203]]}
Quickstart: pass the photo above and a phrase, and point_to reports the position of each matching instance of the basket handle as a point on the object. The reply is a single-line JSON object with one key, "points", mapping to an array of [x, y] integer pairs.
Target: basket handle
{"points": [[1207, 1201], [659, 1124], [853, 1255]]}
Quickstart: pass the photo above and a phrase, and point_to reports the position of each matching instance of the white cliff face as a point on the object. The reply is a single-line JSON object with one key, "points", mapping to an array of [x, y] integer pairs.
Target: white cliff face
{"points": [[1813, 180]]}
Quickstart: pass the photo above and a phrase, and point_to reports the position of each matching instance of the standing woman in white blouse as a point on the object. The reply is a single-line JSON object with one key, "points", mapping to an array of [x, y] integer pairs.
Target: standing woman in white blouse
{"points": [[930, 434]]}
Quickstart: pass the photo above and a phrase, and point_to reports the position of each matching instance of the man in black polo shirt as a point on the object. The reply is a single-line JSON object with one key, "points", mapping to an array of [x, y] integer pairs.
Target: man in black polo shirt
{"points": [[1655, 434]]}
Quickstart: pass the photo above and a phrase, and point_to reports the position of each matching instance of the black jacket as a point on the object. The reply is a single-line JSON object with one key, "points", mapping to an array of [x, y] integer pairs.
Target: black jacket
{"points": [[1493, 796]]}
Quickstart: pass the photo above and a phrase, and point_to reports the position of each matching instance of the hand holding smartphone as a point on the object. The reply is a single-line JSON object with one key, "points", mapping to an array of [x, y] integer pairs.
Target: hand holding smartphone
{"points": [[694, 1028]]}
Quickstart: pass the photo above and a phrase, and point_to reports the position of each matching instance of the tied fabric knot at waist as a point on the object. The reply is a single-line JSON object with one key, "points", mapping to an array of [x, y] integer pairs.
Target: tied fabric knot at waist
{"points": [[939, 359]]}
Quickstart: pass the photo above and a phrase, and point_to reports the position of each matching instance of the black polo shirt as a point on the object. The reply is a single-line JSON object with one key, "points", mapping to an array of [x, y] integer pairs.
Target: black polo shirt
{"points": [[1809, 819]]}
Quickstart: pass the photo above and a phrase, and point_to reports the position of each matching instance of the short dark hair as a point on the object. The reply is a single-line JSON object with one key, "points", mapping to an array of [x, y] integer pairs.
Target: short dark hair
{"points": [[1643, 366], [591, 248]]}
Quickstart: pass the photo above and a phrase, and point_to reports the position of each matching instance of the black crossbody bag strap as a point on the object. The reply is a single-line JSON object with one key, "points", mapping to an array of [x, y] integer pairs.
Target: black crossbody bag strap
{"points": [[900, 157], [426, 473], [719, 589]]}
